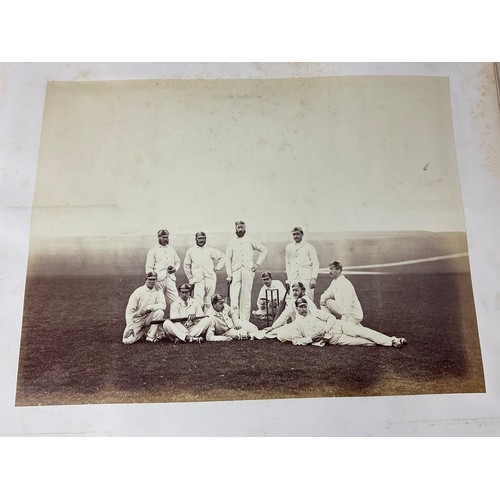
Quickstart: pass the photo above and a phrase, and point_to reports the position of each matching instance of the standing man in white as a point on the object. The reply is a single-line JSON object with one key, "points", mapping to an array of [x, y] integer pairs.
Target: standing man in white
{"points": [[200, 264], [163, 260], [301, 262], [241, 269]]}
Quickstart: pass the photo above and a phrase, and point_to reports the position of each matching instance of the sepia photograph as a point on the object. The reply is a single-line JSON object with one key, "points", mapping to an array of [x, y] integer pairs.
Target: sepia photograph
{"points": [[255, 249], [200, 248], [259, 238]]}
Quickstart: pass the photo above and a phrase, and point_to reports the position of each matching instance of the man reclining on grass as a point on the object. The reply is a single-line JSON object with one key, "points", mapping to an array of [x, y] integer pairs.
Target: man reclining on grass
{"points": [[282, 326], [319, 328]]}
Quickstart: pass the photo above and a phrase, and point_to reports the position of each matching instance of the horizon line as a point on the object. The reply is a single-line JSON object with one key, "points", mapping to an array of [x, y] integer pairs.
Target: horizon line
{"points": [[348, 231]]}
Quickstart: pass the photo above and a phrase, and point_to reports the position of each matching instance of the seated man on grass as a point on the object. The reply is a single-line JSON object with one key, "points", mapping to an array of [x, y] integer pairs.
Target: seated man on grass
{"points": [[268, 302], [193, 324], [340, 298], [226, 325], [146, 304]]}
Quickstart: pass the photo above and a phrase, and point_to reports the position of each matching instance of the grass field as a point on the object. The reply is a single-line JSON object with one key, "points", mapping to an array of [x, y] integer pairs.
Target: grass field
{"points": [[71, 350]]}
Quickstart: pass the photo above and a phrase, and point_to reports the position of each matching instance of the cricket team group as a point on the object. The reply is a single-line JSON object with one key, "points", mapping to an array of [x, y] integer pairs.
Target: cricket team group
{"points": [[197, 313]]}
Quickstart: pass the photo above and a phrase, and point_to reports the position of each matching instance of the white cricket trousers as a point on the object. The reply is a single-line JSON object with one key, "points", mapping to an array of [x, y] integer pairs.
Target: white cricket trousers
{"points": [[247, 328], [178, 330], [346, 333], [329, 309], [139, 327], [203, 292], [309, 290], [285, 333], [169, 287], [241, 292]]}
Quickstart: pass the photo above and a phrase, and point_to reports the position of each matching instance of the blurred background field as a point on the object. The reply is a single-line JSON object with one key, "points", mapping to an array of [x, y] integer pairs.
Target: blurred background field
{"points": [[126, 255]]}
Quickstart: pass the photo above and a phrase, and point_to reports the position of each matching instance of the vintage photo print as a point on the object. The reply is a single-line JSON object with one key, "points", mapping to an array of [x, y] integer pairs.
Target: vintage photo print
{"points": [[219, 240]]}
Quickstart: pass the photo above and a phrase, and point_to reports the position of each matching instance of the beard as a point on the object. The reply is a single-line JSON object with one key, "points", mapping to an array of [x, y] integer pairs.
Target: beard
{"points": [[240, 233]]}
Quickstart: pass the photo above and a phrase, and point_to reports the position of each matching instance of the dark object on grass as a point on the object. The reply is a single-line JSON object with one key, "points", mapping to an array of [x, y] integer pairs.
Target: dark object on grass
{"points": [[281, 306], [174, 320]]}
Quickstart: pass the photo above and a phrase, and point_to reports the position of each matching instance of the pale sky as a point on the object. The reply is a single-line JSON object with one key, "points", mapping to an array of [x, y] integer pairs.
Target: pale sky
{"points": [[329, 154]]}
